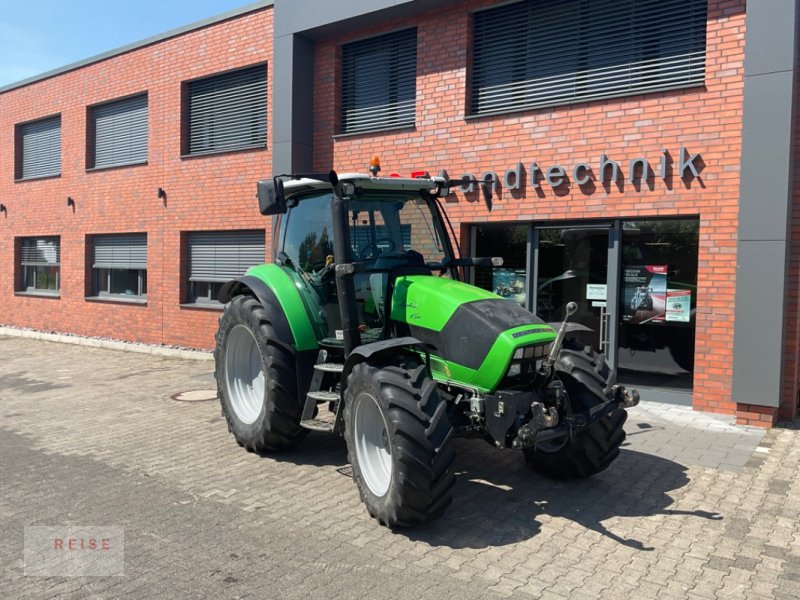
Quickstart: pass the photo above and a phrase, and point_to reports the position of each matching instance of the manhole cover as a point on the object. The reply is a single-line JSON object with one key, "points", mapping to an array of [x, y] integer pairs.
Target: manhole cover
{"points": [[195, 396]]}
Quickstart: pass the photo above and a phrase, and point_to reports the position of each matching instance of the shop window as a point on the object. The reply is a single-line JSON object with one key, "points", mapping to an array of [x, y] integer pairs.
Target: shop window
{"points": [[40, 263], [510, 242], [219, 256], [658, 301], [38, 152], [118, 133], [379, 82], [539, 53], [119, 269], [227, 112]]}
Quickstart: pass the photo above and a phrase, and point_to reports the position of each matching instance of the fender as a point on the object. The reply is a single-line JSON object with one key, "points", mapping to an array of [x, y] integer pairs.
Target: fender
{"points": [[268, 300], [375, 349], [306, 357], [366, 352], [276, 291]]}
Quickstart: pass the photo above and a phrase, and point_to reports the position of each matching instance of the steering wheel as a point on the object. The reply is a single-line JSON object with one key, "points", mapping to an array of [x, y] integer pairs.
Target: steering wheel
{"points": [[371, 249]]}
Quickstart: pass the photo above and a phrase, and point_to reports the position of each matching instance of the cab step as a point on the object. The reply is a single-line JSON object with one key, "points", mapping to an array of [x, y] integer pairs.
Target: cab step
{"points": [[329, 367], [317, 425], [324, 396]]}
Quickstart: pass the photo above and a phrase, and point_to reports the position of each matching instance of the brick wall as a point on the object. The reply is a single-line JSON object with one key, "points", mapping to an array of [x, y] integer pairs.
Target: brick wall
{"points": [[703, 119], [210, 192]]}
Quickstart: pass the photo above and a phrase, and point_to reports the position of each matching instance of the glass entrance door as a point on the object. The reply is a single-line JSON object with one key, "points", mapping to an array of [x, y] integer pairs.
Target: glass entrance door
{"points": [[635, 283], [571, 264]]}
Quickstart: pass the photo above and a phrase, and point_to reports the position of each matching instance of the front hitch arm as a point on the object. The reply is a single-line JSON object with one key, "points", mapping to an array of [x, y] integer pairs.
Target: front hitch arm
{"points": [[550, 361]]}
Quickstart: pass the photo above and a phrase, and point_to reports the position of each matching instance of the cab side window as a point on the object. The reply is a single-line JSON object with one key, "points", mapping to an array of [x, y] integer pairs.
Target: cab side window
{"points": [[308, 233]]}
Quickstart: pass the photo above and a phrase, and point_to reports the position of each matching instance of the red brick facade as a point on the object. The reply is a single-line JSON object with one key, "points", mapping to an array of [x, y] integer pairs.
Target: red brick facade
{"points": [[216, 192], [203, 192], [705, 120]]}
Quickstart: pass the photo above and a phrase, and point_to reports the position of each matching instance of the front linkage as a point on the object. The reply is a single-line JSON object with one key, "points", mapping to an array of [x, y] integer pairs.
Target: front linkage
{"points": [[522, 420]]}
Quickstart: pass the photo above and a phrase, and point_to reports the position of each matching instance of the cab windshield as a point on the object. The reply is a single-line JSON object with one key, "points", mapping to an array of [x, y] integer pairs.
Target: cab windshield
{"points": [[378, 225]]}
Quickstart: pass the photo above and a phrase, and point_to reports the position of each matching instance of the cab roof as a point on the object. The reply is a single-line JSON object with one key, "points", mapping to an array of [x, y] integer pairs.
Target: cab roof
{"points": [[308, 183]]}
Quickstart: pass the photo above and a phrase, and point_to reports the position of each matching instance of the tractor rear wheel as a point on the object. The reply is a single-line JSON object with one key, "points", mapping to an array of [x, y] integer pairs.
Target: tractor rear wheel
{"points": [[398, 443], [256, 379], [587, 378]]}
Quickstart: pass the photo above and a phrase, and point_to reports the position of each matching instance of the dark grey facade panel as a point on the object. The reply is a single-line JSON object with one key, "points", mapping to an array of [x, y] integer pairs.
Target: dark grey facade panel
{"points": [[120, 251], [40, 148], [295, 16], [379, 82], [41, 252], [765, 201], [293, 99], [224, 255], [759, 327], [120, 132], [534, 54], [228, 111], [765, 206]]}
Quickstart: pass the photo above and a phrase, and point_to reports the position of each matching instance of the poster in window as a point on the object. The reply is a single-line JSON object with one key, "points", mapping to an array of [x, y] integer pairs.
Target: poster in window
{"points": [[644, 293], [510, 284], [679, 306]]}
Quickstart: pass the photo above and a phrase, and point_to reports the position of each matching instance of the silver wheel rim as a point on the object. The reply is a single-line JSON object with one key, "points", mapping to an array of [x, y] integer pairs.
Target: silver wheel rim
{"points": [[243, 374], [373, 449]]}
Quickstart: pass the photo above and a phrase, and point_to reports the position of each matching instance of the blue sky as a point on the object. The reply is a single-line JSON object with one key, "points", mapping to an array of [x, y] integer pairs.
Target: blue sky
{"points": [[40, 35]]}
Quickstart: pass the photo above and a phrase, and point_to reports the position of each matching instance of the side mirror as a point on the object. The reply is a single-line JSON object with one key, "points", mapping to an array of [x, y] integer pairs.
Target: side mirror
{"points": [[271, 199]]}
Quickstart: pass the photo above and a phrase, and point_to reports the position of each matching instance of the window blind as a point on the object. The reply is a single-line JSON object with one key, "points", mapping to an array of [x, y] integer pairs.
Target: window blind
{"points": [[228, 111], [120, 132], [379, 82], [539, 53], [220, 256], [120, 251]]}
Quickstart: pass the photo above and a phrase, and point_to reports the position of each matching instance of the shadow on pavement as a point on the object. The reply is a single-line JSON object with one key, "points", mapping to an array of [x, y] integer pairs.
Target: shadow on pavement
{"points": [[23, 382], [497, 499], [317, 450]]}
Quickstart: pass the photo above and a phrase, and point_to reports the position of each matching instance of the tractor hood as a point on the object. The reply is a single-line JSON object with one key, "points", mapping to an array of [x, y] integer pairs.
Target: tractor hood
{"points": [[473, 334]]}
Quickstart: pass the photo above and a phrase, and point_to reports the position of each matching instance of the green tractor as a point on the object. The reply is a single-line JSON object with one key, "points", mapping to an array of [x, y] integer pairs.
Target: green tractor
{"points": [[362, 326]]}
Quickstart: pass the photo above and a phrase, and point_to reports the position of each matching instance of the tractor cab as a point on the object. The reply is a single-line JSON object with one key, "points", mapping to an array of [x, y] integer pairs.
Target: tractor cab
{"points": [[392, 226]]}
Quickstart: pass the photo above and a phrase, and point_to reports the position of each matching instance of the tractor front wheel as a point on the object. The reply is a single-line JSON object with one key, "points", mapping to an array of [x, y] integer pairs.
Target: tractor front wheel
{"points": [[398, 443], [256, 379], [586, 377]]}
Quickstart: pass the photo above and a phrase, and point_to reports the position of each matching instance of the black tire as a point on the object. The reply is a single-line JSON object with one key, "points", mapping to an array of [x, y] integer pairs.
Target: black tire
{"points": [[418, 434], [276, 426], [587, 379]]}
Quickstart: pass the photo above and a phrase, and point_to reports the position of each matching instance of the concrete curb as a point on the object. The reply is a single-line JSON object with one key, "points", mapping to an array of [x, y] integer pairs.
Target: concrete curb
{"points": [[106, 344]]}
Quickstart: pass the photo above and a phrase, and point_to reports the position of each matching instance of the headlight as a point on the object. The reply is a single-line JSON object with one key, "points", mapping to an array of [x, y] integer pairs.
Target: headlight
{"points": [[514, 369]]}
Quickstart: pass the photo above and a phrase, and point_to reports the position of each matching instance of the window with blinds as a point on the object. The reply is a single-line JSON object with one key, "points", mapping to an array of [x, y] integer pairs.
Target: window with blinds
{"points": [[39, 149], [379, 82], [119, 133], [216, 257], [40, 262], [540, 53], [120, 265], [227, 112]]}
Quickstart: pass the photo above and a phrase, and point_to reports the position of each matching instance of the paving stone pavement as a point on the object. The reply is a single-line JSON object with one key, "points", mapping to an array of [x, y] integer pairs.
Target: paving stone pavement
{"points": [[691, 437], [91, 437]]}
